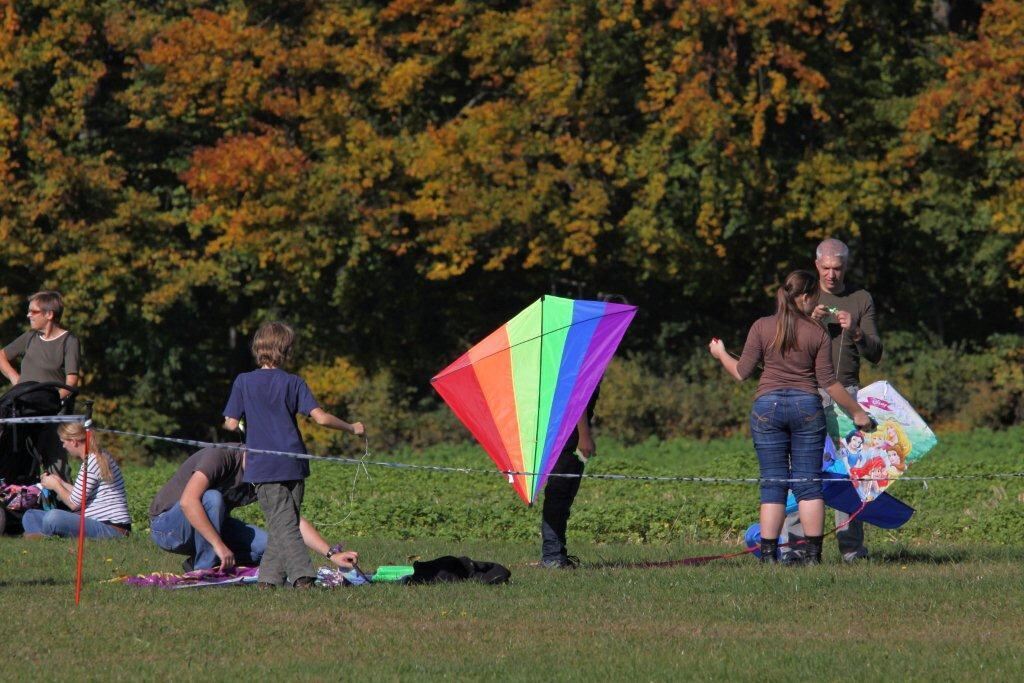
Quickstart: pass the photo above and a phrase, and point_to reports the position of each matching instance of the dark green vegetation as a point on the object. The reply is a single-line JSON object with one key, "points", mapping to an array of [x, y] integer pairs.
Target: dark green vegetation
{"points": [[407, 504], [942, 599]]}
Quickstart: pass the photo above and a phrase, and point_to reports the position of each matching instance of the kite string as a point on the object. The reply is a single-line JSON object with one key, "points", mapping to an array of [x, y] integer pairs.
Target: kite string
{"points": [[364, 461], [360, 467]]}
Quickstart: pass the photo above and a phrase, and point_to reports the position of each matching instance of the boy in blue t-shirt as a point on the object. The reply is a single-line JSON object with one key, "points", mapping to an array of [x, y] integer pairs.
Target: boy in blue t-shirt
{"points": [[269, 399]]}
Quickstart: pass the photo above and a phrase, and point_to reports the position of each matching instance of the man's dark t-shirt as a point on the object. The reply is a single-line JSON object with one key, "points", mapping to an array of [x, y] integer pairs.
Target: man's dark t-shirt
{"points": [[847, 353], [222, 466]]}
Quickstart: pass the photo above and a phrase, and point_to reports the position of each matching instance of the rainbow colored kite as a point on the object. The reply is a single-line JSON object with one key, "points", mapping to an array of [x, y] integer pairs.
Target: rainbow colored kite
{"points": [[522, 390]]}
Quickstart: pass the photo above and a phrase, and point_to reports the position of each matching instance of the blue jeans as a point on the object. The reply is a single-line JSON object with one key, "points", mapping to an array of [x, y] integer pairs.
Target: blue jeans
{"points": [[172, 531], [788, 427], [64, 523]]}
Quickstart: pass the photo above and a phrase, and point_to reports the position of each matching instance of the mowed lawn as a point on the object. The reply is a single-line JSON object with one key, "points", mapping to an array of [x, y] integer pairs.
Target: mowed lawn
{"points": [[932, 604], [936, 614]]}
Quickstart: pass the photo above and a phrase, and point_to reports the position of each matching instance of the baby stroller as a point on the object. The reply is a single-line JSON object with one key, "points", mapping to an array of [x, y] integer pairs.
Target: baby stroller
{"points": [[27, 450]]}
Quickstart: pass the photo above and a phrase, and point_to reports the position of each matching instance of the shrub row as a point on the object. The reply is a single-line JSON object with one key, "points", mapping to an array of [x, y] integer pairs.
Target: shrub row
{"points": [[953, 387], [642, 398]]}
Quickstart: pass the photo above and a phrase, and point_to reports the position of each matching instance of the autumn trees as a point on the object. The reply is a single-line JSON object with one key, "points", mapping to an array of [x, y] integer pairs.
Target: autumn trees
{"points": [[395, 178]]}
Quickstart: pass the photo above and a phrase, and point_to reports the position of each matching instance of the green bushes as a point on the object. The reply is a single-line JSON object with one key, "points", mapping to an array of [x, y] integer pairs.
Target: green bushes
{"points": [[956, 386], [951, 386], [700, 400], [648, 397]]}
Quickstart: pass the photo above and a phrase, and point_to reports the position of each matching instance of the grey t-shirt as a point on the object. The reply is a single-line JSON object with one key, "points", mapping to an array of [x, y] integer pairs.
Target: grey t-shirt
{"points": [[222, 466], [45, 361]]}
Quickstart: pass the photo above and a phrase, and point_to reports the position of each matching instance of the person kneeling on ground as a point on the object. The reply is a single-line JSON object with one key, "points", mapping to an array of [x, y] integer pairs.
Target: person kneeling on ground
{"points": [[106, 504], [191, 515]]}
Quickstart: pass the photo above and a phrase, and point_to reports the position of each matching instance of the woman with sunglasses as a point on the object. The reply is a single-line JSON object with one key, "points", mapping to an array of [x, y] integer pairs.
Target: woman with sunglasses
{"points": [[48, 352]]}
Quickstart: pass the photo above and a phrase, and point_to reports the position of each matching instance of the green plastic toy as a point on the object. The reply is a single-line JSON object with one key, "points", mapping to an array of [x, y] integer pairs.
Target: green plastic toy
{"points": [[391, 573]]}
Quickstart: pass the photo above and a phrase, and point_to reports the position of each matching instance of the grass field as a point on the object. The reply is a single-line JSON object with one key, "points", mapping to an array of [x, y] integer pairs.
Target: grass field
{"points": [[942, 599]]}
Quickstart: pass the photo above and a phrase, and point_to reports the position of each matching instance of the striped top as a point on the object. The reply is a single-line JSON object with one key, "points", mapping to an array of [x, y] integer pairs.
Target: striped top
{"points": [[104, 501]]}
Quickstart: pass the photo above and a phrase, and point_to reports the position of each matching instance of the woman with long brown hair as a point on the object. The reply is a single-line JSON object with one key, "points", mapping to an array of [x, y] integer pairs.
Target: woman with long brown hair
{"points": [[787, 421], [106, 505]]}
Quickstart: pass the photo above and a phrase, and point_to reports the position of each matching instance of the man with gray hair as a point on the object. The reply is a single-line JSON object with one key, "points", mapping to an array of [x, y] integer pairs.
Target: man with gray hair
{"points": [[848, 313]]}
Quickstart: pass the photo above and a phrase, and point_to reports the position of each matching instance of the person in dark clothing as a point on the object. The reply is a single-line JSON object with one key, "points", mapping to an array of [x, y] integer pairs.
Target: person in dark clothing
{"points": [[560, 492]]}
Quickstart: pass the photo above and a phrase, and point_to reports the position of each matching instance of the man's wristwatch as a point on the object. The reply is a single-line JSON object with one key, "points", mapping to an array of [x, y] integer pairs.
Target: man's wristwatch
{"points": [[334, 550]]}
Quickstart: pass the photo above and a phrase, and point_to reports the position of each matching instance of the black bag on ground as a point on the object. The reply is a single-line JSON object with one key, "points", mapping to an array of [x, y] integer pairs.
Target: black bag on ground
{"points": [[450, 568]]}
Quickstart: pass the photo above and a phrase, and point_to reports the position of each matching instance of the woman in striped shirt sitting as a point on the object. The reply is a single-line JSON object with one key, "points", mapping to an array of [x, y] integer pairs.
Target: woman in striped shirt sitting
{"points": [[106, 505]]}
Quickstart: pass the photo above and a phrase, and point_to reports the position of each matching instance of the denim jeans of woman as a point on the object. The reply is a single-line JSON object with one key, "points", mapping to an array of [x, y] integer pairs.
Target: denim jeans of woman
{"points": [[788, 427], [64, 523]]}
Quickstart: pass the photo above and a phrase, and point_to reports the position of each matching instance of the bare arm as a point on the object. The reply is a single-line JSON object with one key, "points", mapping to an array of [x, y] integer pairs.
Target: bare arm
{"points": [[71, 381], [191, 502], [717, 349], [325, 419], [586, 443], [315, 542], [62, 488], [230, 423], [7, 369]]}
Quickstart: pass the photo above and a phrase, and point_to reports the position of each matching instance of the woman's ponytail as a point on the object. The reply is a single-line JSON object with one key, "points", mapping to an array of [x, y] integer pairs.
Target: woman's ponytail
{"points": [[788, 312]]}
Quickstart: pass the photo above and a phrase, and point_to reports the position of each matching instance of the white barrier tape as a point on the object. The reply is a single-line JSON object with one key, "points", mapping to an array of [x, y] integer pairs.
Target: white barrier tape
{"points": [[50, 419]]}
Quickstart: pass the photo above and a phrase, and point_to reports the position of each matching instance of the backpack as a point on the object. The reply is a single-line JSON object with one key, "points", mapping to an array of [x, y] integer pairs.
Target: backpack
{"points": [[449, 569]]}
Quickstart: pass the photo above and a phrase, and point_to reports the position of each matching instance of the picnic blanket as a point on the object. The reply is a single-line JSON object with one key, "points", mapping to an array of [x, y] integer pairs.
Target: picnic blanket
{"points": [[441, 570], [328, 577], [194, 579]]}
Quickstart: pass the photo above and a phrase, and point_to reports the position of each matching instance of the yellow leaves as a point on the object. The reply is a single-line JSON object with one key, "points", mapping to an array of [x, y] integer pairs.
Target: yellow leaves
{"points": [[551, 85], [210, 65], [757, 128], [980, 101], [403, 82], [332, 383]]}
